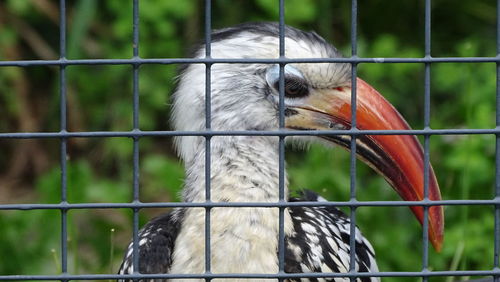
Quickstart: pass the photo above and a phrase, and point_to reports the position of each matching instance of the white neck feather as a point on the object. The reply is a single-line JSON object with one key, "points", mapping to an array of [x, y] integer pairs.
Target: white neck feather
{"points": [[243, 169], [243, 240]]}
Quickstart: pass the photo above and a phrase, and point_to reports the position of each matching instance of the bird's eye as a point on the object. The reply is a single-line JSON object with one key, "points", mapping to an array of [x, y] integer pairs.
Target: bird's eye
{"points": [[294, 88], [295, 84]]}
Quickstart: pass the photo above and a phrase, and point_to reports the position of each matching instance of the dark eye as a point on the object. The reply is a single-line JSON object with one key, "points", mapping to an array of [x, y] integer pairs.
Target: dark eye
{"points": [[294, 88]]}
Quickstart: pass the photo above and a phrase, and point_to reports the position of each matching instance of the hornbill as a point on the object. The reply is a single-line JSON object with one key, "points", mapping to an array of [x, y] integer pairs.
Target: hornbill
{"points": [[245, 97]]}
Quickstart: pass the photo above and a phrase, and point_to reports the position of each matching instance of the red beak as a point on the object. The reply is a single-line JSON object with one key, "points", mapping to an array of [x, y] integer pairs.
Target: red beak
{"points": [[399, 158]]}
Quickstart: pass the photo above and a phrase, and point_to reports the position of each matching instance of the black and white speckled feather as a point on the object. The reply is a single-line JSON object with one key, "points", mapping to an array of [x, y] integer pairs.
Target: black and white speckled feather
{"points": [[320, 242], [156, 244]]}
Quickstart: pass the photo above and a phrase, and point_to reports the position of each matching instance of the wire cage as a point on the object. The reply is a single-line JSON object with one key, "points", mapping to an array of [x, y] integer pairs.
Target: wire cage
{"points": [[63, 136]]}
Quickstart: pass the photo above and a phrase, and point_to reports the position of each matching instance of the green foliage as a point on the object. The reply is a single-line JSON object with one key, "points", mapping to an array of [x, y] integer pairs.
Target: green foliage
{"points": [[299, 11], [100, 99], [20, 7], [158, 181]]}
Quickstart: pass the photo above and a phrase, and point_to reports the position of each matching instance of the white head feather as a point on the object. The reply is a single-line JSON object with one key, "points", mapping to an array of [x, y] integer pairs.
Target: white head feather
{"points": [[241, 98]]}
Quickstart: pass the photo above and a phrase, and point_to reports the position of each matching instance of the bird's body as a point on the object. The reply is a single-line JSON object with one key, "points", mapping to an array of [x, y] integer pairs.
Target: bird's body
{"points": [[245, 168], [317, 242], [245, 240]]}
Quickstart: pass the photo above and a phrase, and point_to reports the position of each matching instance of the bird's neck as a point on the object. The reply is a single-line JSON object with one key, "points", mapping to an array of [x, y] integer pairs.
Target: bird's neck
{"points": [[242, 169], [243, 240]]}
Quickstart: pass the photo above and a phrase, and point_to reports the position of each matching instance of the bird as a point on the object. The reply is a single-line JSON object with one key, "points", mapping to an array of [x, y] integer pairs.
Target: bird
{"points": [[245, 97]]}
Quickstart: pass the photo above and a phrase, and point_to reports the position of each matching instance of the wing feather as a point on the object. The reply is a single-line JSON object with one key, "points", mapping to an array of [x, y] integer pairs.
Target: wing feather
{"points": [[320, 242], [156, 245]]}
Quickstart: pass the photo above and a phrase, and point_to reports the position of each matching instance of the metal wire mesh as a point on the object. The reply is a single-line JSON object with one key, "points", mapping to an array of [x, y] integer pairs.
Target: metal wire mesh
{"points": [[136, 134]]}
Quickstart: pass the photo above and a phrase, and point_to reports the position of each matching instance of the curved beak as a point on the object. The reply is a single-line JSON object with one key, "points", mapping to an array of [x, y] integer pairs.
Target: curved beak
{"points": [[399, 158]]}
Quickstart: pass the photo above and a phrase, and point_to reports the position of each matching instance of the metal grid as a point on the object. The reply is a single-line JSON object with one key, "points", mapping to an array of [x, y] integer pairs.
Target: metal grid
{"points": [[136, 134]]}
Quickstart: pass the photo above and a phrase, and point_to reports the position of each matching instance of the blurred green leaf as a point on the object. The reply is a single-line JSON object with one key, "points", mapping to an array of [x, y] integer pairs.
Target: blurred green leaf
{"points": [[19, 6], [83, 17], [163, 174]]}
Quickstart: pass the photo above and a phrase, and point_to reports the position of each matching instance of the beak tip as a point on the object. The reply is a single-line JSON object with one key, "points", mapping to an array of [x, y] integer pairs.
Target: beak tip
{"points": [[436, 233], [438, 244]]}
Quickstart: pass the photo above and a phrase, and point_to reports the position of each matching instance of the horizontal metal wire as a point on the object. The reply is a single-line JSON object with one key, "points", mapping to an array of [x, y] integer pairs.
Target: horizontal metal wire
{"points": [[492, 272], [206, 133], [138, 205], [167, 61]]}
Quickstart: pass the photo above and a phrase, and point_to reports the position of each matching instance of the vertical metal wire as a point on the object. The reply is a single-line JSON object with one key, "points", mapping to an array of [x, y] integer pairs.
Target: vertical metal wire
{"points": [[208, 126], [427, 104], [496, 263], [135, 109], [354, 54], [64, 141], [281, 149]]}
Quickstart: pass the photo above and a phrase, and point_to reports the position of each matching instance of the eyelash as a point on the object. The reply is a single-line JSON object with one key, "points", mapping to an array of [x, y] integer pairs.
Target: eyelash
{"points": [[294, 87]]}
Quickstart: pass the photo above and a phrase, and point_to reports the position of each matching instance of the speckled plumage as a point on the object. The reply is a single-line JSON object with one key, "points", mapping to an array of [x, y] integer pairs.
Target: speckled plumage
{"points": [[319, 243], [245, 169]]}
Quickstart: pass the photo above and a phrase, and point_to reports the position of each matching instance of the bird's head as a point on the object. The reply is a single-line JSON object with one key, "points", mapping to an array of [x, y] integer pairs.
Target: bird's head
{"points": [[317, 97]]}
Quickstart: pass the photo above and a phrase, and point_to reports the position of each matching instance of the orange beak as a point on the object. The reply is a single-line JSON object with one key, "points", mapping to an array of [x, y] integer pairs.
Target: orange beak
{"points": [[399, 158]]}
